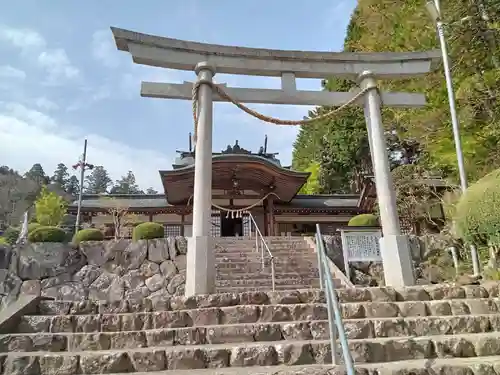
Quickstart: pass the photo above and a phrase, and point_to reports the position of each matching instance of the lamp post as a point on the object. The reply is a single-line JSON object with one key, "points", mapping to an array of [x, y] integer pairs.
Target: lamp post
{"points": [[434, 9], [83, 165]]}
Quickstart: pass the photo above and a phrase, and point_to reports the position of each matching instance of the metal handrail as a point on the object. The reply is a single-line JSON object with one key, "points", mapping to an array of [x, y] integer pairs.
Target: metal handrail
{"points": [[334, 312], [263, 245]]}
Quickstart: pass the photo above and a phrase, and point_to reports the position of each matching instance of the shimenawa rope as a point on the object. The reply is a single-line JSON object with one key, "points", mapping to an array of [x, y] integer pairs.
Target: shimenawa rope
{"points": [[260, 116]]}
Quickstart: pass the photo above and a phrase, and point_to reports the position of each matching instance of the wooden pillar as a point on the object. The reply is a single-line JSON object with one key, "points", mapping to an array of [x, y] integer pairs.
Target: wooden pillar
{"points": [[266, 218], [271, 215], [151, 217], [183, 219]]}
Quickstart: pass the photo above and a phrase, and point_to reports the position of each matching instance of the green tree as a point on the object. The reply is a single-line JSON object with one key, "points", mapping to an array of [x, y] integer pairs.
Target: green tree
{"points": [[126, 185], [98, 181], [73, 186], [150, 190], [61, 176], [312, 185], [50, 208], [424, 135], [37, 174]]}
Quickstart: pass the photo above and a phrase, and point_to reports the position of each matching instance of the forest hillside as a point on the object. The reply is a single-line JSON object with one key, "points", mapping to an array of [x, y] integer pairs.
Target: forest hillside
{"points": [[337, 149]]}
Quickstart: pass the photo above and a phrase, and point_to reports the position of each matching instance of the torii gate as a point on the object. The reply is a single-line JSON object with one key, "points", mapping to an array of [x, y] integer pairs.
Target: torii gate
{"points": [[207, 59]]}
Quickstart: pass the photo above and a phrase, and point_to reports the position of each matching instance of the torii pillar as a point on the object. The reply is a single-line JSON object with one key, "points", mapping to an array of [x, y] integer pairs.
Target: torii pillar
{"points": [[200, 259]]}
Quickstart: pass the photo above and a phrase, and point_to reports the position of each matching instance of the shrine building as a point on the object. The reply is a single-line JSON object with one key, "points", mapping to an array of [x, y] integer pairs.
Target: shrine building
{"points": [[252, 183]]}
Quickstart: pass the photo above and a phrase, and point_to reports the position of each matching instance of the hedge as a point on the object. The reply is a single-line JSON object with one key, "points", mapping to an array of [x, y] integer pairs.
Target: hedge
{"points": [[148, 231], [32, 227], [477, 214], [47, 234], [363, 220], [3, 241], [89, 234]]}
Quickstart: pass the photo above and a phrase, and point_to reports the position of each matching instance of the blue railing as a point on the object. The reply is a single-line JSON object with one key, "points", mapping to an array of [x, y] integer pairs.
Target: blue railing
{"points": [[334, 311]]}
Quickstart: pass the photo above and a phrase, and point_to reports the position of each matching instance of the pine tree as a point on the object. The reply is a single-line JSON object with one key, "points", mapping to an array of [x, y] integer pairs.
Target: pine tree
{"points": [[98, 181], [61, 176], [37, 174], [126, 185], [73, 186]]}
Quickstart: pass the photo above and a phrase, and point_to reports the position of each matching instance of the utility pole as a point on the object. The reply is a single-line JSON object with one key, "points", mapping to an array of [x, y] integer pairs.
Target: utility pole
{"points": [[434, 10], [83, 165]]}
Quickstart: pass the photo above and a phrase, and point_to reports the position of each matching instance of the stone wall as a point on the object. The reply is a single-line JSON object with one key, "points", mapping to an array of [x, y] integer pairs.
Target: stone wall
{"points": [[422, 248], [98, 270]]}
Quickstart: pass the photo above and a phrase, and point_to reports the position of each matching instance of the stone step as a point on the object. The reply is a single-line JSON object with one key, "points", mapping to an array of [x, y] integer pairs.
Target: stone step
{"points": [[242, 272], [120, 319], [266, 288], [266, 275], [255, 265], [247, 354], [257, 256], [275, 252], [277, 247], [151, 336], [452, 366], [290, 282], [437, 300]]}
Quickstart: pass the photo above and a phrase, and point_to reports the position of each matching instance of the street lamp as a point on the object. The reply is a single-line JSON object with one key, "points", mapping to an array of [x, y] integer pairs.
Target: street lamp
{"points": [[434, 9]]}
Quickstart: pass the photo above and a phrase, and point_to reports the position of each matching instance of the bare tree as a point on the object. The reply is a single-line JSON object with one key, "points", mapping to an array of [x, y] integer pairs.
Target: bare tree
{"points": [[120, 215]]}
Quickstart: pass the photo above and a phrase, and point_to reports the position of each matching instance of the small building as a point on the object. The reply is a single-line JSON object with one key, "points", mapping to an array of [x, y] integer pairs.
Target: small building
{"points": [[255, 184]]}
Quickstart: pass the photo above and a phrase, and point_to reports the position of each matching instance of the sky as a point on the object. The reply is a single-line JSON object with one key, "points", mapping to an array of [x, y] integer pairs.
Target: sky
{"points": [[63, 80]]}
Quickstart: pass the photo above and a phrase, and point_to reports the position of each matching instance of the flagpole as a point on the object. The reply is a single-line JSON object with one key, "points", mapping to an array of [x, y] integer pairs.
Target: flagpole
{"points": [[82, 164]]}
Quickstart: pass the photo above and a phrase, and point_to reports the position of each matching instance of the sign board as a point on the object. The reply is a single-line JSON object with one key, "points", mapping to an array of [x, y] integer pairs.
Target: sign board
{"points": [[360, 246]]}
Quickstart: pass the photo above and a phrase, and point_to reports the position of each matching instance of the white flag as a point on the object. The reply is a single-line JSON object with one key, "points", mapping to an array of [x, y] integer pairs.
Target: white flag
{"points": [[24, 230]]}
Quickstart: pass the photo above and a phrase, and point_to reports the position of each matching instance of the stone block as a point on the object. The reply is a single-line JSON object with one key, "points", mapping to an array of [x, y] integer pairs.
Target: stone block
{"points": [[200, 271]]}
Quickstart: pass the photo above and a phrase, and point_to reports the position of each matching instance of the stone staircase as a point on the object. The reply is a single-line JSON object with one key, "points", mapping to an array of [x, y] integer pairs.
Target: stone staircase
{"points": [[419, 330], [239, 264]]}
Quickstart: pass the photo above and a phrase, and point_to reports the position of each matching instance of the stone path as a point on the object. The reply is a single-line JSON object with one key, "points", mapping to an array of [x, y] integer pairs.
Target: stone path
{"points": [[421, 330]]}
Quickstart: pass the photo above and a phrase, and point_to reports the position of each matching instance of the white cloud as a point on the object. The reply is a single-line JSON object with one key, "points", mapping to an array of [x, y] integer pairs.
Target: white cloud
{"points": [[45, 104], [29, 136], [55, 61], [22, 38], [31, 116], [104, 49], [58, 65], [7, 71]]}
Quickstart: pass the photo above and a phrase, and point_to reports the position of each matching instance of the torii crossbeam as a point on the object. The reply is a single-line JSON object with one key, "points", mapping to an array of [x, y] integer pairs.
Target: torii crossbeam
{"points": [[207, 59]]}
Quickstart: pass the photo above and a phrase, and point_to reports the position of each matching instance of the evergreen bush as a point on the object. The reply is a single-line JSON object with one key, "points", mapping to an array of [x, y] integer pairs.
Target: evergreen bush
{"points": [[32, 227], [477, 214], [363, 220], [148, 231], [11, 235], [90, 234], [47, 234]]}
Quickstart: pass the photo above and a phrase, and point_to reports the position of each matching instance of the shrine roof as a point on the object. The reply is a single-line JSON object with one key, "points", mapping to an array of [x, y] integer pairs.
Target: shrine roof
{"points": [[249, 171], [151, 201]]}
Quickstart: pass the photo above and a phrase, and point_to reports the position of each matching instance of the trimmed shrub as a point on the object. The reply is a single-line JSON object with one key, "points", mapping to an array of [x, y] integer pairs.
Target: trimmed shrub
{"points": [[47, 234], [148, 231], [363, 220], [477, 214], [3, 241], [11, 235], [90, 234], [32, 227]]}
